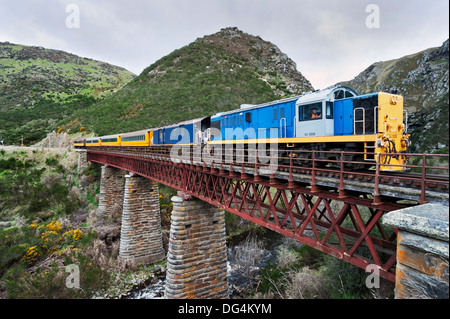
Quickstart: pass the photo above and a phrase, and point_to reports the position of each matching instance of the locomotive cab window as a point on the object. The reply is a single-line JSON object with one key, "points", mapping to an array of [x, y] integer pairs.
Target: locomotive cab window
{"points": [[339, 94], [311, 111], [329, 110], [216, 125], [349, 94]]}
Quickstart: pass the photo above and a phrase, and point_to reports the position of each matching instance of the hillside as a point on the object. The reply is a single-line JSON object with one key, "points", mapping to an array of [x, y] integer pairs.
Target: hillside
{"points": [[39, 87], [422, 78], [215, 73]]}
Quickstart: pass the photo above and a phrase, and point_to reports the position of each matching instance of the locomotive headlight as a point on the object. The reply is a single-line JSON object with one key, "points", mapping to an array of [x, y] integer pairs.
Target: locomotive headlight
{"points": [[379, 143]]}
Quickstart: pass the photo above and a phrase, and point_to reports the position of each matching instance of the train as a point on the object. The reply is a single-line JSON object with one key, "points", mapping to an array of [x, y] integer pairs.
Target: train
{"points": [[368, 128]]}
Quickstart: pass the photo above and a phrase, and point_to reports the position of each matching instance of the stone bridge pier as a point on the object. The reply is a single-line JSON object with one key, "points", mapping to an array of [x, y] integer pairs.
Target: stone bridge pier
{"points": [[197, 256], [141, 236], [137, 200], [83, 161]]}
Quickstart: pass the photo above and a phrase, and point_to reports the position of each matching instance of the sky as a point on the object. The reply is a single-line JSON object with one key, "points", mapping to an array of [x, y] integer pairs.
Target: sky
{"points": [[329, 40]]}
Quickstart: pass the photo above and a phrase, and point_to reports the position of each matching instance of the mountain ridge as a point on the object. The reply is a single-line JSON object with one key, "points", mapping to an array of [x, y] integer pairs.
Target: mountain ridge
{"points": [[40, 86]]}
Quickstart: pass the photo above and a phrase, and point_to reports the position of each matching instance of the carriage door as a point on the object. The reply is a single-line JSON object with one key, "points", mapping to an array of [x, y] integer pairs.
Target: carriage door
{"points": [[343, 117]]}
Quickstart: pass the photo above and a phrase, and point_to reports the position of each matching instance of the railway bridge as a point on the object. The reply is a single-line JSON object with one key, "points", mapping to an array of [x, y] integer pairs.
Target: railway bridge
{"points": [[397, 223]]}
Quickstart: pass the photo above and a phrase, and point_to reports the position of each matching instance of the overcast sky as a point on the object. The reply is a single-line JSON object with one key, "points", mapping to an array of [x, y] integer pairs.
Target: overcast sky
{"points": [[330, 40]]}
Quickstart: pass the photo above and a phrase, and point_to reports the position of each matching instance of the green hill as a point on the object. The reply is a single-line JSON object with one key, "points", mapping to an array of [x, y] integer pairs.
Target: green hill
{"points": [[40, 87], [215, 73]]}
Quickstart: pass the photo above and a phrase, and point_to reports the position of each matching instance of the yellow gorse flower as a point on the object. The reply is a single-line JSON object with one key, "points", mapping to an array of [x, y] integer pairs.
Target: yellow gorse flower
{"points": [[53, 241], [54, 226], [77, 234], [31, 254]]}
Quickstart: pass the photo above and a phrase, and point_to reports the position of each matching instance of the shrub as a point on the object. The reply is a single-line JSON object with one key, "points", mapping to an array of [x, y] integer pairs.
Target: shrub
{"points": [[51, 161], [306, 284], [247, 257], [287, 258], [344, 280], [52, 241]]}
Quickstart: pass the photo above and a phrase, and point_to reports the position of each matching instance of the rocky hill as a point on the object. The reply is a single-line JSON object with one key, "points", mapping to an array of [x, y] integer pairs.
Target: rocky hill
{"points": [[422, 79], [214, 73], [39, 87]]}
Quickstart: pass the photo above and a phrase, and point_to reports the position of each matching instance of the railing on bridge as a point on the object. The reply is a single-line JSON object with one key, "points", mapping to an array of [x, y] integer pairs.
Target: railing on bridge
{"points": [[423, 173]]}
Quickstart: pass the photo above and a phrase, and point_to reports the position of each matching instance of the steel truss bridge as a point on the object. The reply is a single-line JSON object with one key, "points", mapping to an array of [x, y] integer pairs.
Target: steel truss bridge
{"points": [[324, 205]]}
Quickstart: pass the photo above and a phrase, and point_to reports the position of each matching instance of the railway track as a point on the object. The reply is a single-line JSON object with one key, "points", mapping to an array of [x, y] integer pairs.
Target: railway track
{"points": [[400, 185]]}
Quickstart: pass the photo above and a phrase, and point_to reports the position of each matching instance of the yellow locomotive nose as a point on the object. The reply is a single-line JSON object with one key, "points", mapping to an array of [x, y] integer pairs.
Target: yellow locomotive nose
{"points": [[391, 131]]}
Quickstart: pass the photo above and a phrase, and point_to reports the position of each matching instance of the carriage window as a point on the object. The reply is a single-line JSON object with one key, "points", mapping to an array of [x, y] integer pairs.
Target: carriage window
{"points": [[339, 94], [282, 115], [311, 111], [241, 119], [329, 110], [275, 114], [248, 117]]}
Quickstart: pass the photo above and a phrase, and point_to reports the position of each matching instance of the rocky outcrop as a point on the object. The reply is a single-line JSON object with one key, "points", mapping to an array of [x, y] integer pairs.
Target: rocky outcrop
{"points": [[422, 79], [273, 66], [56, 140]]}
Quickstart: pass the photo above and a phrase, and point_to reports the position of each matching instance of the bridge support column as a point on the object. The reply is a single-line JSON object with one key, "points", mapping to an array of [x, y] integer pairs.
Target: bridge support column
{"points": [[141, 236], [197, 258], [422, 251], [111, 193], [83, 162]]}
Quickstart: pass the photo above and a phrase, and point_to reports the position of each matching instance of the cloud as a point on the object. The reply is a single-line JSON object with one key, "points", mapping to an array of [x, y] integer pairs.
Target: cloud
{"points": [[327, 39]]}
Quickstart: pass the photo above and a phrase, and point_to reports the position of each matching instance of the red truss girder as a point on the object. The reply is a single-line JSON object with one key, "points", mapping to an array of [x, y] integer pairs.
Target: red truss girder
{"points": [[320, 219]]}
